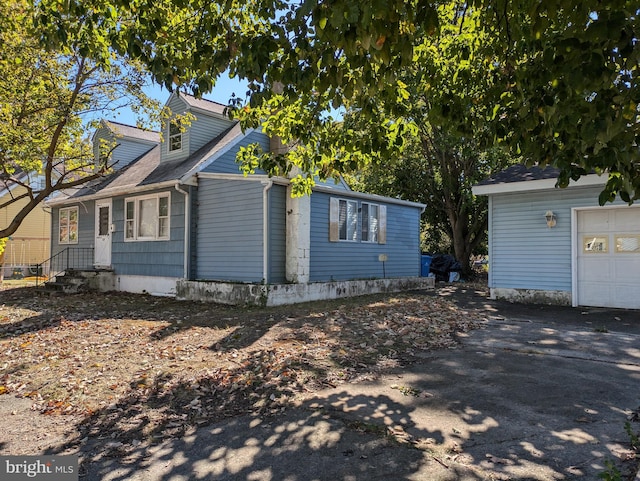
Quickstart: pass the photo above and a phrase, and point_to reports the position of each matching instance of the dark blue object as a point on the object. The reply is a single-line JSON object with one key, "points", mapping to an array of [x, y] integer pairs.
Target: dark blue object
{"points": [[425, 265]]}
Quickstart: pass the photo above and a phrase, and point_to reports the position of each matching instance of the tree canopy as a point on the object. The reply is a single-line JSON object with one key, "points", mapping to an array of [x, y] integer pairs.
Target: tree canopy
{"points": [[569, 93], [47, 101], [453, 76]]}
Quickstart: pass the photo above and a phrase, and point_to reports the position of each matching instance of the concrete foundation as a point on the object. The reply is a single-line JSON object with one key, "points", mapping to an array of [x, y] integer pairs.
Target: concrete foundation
{"points": [[100, 280], [156, 286], [283, 294], [532, 296]]}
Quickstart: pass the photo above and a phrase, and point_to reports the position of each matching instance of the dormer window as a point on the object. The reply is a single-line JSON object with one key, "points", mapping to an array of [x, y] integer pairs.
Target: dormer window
{"points": [[175, 137]]}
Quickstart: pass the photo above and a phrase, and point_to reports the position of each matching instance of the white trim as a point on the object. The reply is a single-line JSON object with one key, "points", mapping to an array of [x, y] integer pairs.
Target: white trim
{"points": [[533, 185], [250, 177], [69, 209], [136, 217], [103, 203], [490, 242], [574, 255], [171, 151], [187, 230], [367, 197], [265, 229], [105, 194]]}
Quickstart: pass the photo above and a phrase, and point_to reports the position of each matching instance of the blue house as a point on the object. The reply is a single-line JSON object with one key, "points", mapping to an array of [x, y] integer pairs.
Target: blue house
{"points": [[177, 217], [553, 245]]}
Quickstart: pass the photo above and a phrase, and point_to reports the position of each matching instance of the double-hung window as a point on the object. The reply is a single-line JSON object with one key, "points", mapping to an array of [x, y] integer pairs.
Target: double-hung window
{"points": [[147, 217], [370, 222], [175, 137], [68, 225], [347, 220], [353, 221]]}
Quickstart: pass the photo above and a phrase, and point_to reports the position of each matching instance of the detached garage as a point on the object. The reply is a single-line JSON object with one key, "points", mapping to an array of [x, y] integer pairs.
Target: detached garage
{"points": [[558, 246]]}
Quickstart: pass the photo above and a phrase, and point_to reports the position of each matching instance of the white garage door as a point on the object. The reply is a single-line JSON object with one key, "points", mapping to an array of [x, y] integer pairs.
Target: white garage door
{"points": [[608, 263]]}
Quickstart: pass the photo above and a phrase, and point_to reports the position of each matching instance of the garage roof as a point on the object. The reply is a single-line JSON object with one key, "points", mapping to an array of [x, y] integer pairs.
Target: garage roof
{"points": [[520, 178]]}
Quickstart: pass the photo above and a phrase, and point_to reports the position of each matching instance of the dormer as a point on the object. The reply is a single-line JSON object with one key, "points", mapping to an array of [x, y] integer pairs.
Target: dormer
{"points": [[125, 143], [205, 120]]}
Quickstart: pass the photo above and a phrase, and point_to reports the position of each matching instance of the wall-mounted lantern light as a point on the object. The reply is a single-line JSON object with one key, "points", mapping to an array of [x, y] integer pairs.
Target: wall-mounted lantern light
{"points": [[551, 219]]}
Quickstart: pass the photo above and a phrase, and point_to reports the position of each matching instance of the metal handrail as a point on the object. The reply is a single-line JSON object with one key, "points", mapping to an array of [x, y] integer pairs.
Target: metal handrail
{"points": [[67, 258]]}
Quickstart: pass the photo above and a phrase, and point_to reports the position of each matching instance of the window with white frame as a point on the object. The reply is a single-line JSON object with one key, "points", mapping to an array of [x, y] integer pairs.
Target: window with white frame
{"points": [[344, 216], [175, 137], [68, 225], [370, 222], [347, 220], [147, 217]]}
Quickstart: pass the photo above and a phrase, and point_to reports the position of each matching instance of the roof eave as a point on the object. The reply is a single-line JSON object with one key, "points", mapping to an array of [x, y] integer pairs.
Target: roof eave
{"points": [[535, 185], [109, 193], [363, 196]]}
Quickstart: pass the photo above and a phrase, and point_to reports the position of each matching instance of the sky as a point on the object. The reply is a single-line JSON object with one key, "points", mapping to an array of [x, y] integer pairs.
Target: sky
{"points": [[221, 93]]}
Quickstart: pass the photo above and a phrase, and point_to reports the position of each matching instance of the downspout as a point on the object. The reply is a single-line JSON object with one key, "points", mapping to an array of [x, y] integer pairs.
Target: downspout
{"points": [[187, 230], [265, 228]]}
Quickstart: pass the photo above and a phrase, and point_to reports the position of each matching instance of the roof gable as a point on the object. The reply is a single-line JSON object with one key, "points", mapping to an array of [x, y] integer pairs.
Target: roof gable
{"points": [[204, 105]]}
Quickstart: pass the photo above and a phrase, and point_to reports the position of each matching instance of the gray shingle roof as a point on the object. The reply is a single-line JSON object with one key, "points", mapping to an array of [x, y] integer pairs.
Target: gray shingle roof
{"points": [[521, 173], [147, 169], [203, 104], [133, 132]]}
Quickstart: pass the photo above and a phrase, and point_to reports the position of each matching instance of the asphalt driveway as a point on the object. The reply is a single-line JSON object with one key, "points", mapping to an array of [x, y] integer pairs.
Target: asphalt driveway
{"points": [[539, 393]]}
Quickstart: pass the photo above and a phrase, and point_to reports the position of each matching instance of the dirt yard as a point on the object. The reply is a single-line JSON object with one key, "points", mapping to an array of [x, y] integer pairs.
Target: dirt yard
{"points": [[132, 369]]}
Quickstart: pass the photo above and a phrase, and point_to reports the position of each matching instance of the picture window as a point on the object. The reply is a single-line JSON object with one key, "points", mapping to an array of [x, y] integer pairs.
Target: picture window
{"points": [[147, 218]]}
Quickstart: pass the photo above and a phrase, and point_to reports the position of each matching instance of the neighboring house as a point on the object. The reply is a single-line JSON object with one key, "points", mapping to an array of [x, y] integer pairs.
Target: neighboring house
{"points": [[28, 245], [554, 245], [179, 218]]}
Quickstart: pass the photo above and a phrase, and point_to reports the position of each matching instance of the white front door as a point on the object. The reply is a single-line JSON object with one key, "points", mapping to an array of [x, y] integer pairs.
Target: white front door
{"points": [[102, 254], [608, 257]]}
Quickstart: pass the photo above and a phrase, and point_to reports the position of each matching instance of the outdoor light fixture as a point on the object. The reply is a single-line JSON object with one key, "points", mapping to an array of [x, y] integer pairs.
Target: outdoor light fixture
{"points": [[551, 219]]}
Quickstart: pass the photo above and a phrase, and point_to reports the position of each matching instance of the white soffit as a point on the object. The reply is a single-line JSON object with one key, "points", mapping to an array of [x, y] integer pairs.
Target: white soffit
{"points": [[532, 185]]}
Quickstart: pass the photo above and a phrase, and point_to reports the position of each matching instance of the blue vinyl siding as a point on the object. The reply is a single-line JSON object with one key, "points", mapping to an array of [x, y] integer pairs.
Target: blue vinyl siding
{"points": [[86, 230], [359, 260], [277, 234], [125, 151], [229, 235], [524, 252], [177, 106], [204, 128], [226, 163], [100, 134], [163, 258]]}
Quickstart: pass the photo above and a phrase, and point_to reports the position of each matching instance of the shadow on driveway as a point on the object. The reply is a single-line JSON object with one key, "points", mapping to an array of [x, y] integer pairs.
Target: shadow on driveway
{"points": [[539, 393]]}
